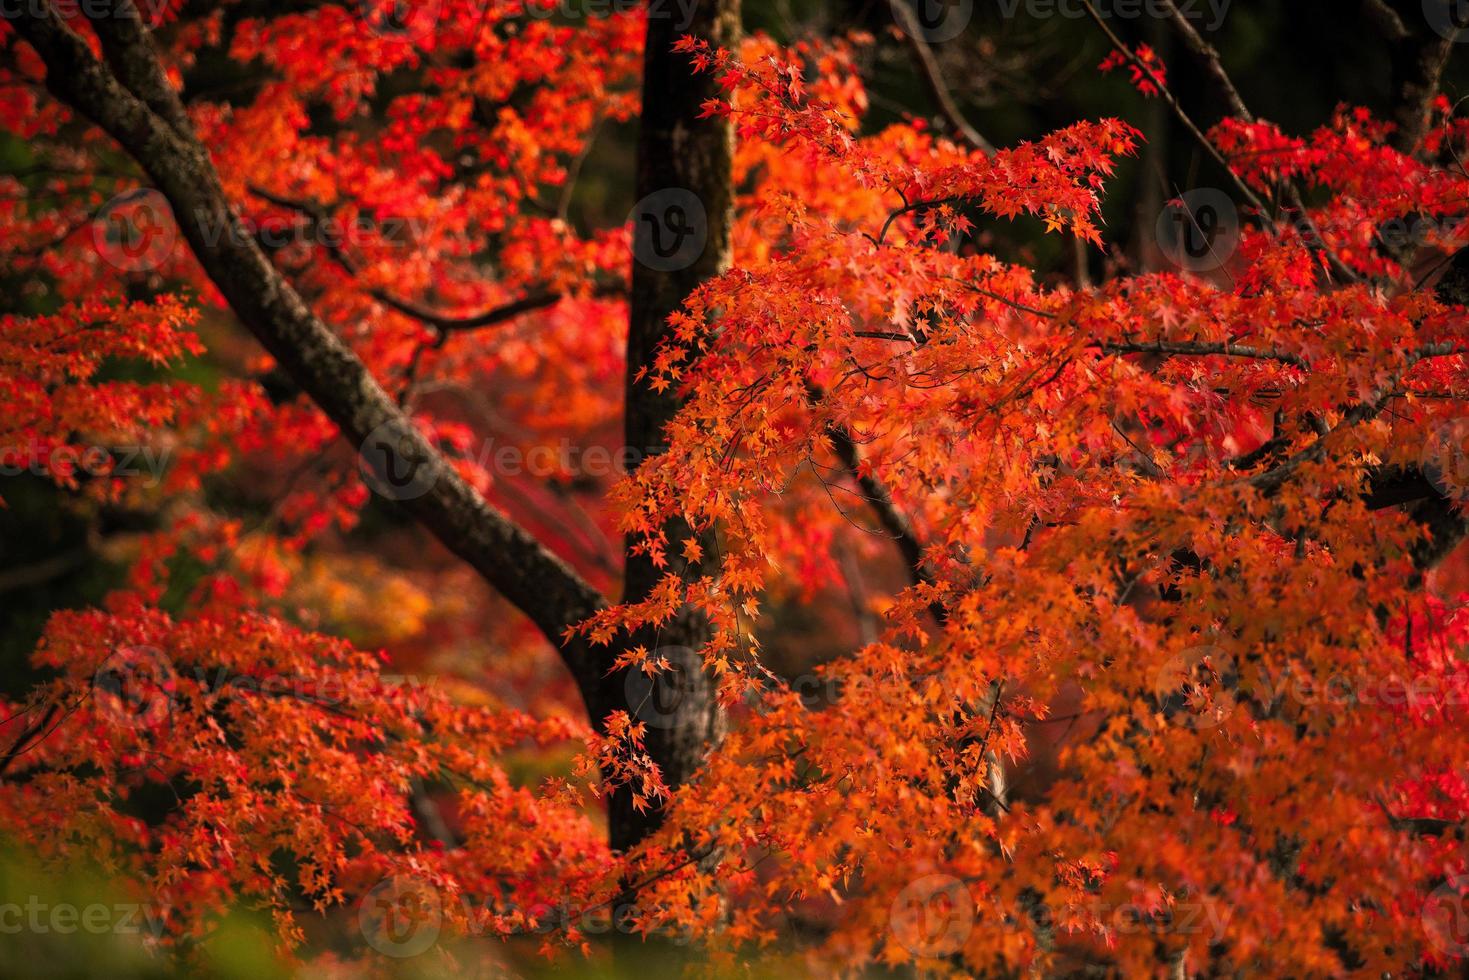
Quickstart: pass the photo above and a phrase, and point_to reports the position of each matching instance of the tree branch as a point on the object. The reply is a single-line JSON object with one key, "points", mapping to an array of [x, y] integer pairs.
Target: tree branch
{"points": [[889, 516], [123, 34], [1444, 522], [1419, 57], [1208, 58], [533, 579], [1178, 110], [443, 323], [933, 78], [1193, 349]]}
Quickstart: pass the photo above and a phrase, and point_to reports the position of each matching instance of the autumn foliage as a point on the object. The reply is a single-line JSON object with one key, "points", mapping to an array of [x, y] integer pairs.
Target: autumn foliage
{"points": [[1175, 684]]}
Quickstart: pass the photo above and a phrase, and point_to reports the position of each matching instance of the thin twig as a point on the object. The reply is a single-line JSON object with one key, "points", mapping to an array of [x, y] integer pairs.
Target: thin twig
{"points": [[933, 78]]}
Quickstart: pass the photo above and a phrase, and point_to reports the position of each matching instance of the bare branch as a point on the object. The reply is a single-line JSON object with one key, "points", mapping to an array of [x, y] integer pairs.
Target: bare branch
{"points": [[891, 518], [1208, 57], [933, 78], [443, 323], [1385, 19], [1178, 110], [1203, 350]]}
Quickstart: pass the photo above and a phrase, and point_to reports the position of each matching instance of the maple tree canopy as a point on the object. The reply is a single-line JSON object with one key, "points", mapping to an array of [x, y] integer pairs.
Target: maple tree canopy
{"points": [[525, 485]]}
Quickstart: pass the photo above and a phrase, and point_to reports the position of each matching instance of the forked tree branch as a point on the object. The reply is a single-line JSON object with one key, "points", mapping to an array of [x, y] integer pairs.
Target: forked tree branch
{"points": [[1188, 123], [533, 579], [1208, 58], [1196, 44], [445, 324]]}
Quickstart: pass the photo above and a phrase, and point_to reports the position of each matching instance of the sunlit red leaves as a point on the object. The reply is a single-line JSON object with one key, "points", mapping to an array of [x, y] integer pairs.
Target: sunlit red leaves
{"points": [[1132, 631], [293, 743], [1095, 536], [1145, 68]]}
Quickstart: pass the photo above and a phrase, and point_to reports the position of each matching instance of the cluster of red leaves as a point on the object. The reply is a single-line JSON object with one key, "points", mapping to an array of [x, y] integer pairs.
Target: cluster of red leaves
{"points": [[68, 420], [480, 147], [1148, 74], [295, 763], [1057, 469], [1084, 466]]}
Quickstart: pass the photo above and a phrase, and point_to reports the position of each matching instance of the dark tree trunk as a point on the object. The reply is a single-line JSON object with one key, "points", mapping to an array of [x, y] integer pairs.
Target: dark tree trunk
{"points": [[682, 234], [682, 239], [1417, 66]]}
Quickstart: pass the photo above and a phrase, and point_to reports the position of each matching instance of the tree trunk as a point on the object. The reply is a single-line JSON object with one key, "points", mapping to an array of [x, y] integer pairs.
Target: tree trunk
{"points": [[1418, 60], [681, 238]]}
